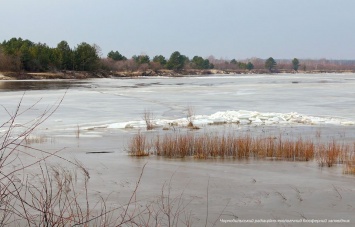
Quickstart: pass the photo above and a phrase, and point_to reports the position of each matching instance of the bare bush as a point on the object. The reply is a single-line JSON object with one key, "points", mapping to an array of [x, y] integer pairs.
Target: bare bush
{"points": [[13, 142], [49, 197], [190, 114], [148, 117], [54, 195]]}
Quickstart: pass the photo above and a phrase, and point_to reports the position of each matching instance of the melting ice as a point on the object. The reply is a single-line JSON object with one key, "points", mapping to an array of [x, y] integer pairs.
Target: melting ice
{"points": [[242, 117]]}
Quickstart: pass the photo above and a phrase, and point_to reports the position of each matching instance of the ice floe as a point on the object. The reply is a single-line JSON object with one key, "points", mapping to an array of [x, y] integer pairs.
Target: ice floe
{"points": [[242, 117]]}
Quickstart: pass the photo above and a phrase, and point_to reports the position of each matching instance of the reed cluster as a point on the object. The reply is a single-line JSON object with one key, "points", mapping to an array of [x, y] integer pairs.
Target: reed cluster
{"points": [[139, 146], [349, 167], [230, 145], [35, 139], [332, 153]]}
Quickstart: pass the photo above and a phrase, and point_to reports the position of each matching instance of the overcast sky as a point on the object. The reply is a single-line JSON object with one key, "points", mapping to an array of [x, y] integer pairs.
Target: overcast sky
{"points": [[223, 28]]}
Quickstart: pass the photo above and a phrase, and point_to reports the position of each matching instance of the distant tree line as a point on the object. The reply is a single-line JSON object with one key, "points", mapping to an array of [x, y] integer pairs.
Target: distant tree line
{"points": [[176, 62], [283, 65], [18, 54]]}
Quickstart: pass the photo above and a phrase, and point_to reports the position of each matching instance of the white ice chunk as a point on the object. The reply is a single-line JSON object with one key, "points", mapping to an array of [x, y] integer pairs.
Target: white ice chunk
{"points": [[242, 116], [244, 122], [129, 124], [118, 125], [257, 121], [348, 123], [202, 122]]}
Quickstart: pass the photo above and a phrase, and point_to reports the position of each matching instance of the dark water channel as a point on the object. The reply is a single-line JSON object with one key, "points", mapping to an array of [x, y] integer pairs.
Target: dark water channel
{"points": [[26, 85]]}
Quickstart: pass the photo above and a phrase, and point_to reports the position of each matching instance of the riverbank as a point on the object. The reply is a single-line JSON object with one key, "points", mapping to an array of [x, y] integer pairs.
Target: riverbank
{"points": [[133, 74]]}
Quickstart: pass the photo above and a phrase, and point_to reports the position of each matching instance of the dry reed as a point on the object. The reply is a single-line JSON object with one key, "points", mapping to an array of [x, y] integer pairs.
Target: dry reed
{"points": [[331, 153], [148, 117], [35, 139], [190, 116], [139, 145], [349, 167], [244, 146]]}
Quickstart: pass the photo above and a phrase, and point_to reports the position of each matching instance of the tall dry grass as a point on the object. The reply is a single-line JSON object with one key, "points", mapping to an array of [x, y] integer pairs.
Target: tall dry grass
{"points": [[349, 167], [139, 146], [332, 153], [244, 146], [207, 145]]}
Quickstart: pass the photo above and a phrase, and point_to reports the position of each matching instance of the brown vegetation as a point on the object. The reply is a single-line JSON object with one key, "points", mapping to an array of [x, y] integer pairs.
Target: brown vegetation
{"points": [[148, 119], [139, 145], [230, 145], [209, 145], [190, 115], [332, 153], [349, 167]]}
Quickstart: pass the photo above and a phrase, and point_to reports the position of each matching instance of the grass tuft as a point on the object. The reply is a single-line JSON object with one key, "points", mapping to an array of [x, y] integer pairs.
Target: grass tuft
{"points": [[139, 146], [148, 118]]}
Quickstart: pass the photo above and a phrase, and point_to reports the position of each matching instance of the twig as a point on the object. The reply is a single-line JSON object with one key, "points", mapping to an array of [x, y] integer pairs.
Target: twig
{"points": [[208, 185], [341, 197]]}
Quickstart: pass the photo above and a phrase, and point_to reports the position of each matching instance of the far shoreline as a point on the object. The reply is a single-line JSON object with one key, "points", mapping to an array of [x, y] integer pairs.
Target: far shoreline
{"points": [[80, 75]]}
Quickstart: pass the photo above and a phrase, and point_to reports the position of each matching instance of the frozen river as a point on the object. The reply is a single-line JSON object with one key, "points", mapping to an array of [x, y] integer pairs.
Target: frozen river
{"points": [[109, 111], [320, 98]]}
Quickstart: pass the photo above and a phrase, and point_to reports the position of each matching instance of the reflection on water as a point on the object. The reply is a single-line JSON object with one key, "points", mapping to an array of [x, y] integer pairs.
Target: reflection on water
{"points": [[40, 85]]}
